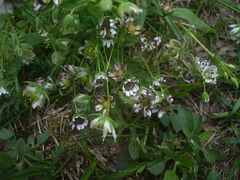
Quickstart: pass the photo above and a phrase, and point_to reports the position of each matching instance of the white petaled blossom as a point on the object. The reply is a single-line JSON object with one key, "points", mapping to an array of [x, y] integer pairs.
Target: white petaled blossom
{"points": [[147, 100], [108, 29], [104, 104], [130, 87], [106, 124], [3, 91], [235, 32], [100, 80], [157, 83], [209, 72], [37, 6], [150, 45], [78, 122]]}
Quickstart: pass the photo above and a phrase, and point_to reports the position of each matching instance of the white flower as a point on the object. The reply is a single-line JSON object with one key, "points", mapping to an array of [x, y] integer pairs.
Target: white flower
{"points": [[108, 42], [147, 112], [103, 33], [170, 99], [235, 32], [161, 113], [208, 72], [137, 107], [3, 91], [130, 87], [150, 45], [36, 6], [78, 122], [157, 83], [99, 81], [98, 107], [106, 124]]}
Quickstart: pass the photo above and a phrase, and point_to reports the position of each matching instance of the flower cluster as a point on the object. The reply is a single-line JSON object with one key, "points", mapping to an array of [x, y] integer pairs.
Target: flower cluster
{"points": [[148, 99], [235, 32], [108, 29], [209, 72], [150, 45]]}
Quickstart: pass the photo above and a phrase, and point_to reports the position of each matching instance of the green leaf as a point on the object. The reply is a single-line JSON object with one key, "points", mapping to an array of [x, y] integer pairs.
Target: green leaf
{"points": [[21, 148], [213, 175], [190, 122], [89, 170], [5, 161], [170, 175], [157, 168], [105, 5], [32, 39], [212, 155], [5, 134], [186, 160], [73, 4], [175, 122], [205, 136], [233, 169], [188, 15], [43, 137], [236, 107], [142, 16], [133, 149]]}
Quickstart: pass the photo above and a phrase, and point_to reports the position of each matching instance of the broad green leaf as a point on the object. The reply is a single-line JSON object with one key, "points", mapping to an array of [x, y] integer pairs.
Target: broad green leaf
{"points": [[5, 134], [5, 161], [21, 148], [188, 15], [133, 149], [43, 137], [175, 122], [213, 175], [212, 155], [190, 122], [186, 160], [157, 168], [170, 175]]}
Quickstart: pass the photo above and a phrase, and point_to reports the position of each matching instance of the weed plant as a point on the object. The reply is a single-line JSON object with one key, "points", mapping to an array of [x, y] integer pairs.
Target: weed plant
{"points": [[115, 89]]}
